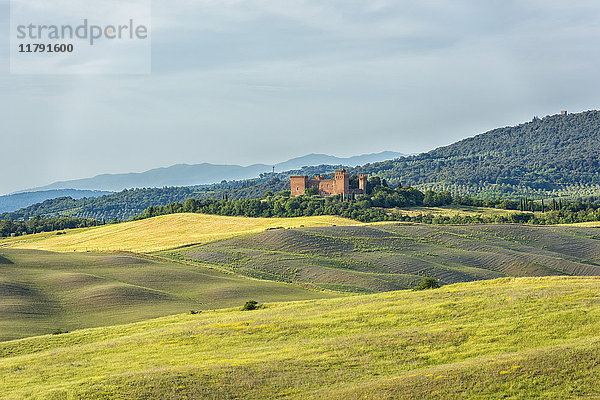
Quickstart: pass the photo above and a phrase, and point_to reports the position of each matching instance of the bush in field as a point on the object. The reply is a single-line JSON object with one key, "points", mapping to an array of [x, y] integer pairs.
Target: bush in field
{"points": [[250, 305], [428, 283]]}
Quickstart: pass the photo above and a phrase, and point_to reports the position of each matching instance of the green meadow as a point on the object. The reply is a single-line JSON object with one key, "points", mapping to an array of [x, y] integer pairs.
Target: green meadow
{"points": [[519, 338], [391, 256], [518, 315], [42, 292]]}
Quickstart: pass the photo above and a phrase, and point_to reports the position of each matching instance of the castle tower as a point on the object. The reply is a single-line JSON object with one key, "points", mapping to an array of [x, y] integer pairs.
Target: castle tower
{"points": [[298, 185], [342, 182], [362, 183]]}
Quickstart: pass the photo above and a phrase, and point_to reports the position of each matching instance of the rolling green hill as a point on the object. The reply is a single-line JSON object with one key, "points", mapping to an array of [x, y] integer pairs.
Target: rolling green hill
{"points": [[41, 292], [163, 232], [527, 338], [555, 155], [382, 257]]}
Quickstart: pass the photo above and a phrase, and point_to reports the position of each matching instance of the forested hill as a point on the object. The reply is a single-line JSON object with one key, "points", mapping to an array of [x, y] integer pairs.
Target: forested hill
{"points": [[16, 201], [555, 155], [129, 203]]}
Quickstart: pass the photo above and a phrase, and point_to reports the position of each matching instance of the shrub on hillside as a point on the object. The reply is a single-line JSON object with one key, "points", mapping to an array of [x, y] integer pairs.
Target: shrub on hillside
{"points": [[250, 305], [428, 283]]}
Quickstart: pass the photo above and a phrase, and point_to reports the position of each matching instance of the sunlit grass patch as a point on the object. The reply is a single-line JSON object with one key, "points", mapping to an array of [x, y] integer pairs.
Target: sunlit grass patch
{"points": [[166, 232], [456, 342]]}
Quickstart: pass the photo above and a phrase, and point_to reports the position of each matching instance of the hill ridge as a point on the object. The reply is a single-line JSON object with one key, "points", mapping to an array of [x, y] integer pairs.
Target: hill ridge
{"points": [[183, 174], [544, 157]]}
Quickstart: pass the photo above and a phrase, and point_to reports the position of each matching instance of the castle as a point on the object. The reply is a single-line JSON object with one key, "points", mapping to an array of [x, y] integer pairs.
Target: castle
{"points": [[325, 187]]}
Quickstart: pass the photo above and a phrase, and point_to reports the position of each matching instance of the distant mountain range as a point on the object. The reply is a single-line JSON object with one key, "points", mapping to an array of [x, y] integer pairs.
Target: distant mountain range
{"points": [[206, 174], [323, 159], [181, 175]]}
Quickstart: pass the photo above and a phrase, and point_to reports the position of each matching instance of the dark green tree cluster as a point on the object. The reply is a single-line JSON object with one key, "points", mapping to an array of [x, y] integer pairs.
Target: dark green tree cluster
{"points": [[381, 205], [367, 208], [428, 283], [433, 199], [279, 205], [9, 227]]}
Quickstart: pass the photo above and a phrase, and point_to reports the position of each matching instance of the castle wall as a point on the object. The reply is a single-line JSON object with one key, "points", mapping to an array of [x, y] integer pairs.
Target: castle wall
{"points": [[298, 185], [325, 186]]}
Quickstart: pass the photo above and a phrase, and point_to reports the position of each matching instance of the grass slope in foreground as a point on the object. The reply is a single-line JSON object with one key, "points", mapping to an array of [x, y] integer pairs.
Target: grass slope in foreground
{"points": [[384, 257], [519, 338], [41, 291], [164, 232]]}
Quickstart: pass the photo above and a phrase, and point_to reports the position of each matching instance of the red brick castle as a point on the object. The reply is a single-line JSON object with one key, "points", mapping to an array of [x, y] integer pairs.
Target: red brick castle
{"points": [[339, 185]]}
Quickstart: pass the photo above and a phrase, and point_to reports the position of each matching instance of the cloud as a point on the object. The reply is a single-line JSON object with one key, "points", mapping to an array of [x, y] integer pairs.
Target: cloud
{"points": [[244, 81]]}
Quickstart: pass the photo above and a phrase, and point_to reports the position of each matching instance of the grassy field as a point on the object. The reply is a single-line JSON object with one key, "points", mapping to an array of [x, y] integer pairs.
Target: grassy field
{"points": [[384, 257], [587, 224], [41, 292], [164, 232], [523, 338], [452, 210]]}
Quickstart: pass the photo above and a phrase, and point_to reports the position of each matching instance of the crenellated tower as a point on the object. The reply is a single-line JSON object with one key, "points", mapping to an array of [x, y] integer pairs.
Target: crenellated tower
{"points": [[342, 182]]}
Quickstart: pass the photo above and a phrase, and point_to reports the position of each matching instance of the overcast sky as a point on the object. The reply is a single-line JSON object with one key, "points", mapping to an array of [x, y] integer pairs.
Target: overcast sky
{"points": [[262, 81]]}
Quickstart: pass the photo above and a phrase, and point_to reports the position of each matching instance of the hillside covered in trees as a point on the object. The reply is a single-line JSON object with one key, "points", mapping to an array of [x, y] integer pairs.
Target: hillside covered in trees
{"points": [[556, 155], [382, 203], [129, 203], [16, 201]]}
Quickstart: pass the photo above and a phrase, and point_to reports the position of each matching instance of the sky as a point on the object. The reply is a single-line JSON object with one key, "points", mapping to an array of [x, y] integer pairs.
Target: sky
{"points": [[263, 81]]}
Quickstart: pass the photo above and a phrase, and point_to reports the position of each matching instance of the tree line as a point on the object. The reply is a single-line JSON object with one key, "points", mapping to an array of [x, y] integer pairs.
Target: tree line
{"points": [[9, 227], [381, 203]]}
